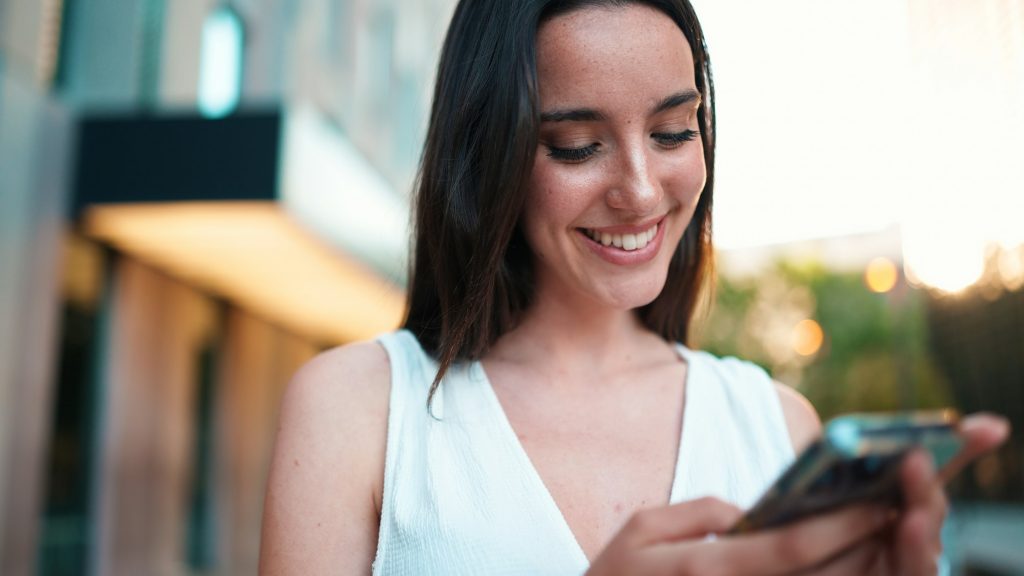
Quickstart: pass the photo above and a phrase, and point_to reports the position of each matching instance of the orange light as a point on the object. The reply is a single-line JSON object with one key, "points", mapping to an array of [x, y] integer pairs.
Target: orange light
{"points": [[881, 275], [807, 337], [255, 255]]}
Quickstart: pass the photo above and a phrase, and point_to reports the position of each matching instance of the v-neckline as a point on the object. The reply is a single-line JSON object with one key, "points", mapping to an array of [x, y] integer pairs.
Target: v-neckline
{"points": [[526, 464]]}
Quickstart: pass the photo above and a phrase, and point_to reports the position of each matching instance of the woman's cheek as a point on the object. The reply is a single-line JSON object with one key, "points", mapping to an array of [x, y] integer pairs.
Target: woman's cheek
{"points": [[695, 175]]}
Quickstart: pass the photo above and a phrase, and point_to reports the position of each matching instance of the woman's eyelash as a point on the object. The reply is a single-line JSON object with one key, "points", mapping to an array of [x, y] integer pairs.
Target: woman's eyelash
{"points": [[675, 138], [572, 154], [584, 152]]}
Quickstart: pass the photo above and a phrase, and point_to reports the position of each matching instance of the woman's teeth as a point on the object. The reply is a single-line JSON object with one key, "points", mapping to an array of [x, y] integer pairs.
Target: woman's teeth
{"points": [[627, 242]]}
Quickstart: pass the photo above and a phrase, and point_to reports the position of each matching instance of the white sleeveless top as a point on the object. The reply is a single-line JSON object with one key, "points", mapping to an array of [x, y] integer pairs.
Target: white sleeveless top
{"points": [[461, 497]]}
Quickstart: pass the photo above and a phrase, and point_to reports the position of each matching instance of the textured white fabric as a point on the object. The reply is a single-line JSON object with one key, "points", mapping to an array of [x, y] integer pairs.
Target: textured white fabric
{"points": [[461, 497]]}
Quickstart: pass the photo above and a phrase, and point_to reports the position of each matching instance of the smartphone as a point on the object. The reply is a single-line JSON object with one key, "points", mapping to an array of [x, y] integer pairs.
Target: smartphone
{"points": [[856, 459]]}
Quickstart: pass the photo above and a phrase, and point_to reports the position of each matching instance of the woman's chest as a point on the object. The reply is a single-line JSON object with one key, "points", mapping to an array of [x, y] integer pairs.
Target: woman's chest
{"points": [[599, 462]]}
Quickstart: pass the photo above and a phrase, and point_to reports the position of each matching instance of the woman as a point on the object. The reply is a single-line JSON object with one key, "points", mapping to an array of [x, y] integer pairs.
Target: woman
{"points": [[536, 415]]}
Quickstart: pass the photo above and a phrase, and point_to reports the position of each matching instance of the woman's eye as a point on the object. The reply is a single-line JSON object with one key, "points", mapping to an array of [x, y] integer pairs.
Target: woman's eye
{"points": [[673, 139], [572, 155]]}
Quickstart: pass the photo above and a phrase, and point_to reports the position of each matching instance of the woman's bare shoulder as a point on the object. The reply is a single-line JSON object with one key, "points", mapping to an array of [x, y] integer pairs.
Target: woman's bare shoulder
{"points": [[335, 409], [352, 373], [323, 493], [344, 389], [801, 418]]}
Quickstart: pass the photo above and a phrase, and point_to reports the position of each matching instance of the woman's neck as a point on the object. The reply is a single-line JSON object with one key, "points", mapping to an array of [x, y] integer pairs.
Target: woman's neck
{"points": [[574, 335]]}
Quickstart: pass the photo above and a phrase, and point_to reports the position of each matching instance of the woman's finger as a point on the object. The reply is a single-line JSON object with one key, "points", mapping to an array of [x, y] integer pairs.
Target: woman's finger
{"points": [[637, 547], [981, 433], [791, 548], [922, 488], [920, 482], [917, 541], [691, 519], [918, 547], [867, 557]]}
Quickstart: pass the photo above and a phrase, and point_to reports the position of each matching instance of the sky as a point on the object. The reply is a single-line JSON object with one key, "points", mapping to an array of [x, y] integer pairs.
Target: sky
{"points": [[839, 118]]}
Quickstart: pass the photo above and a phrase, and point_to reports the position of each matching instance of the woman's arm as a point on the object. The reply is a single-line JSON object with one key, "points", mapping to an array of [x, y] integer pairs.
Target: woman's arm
{"points": [[322, 507]]}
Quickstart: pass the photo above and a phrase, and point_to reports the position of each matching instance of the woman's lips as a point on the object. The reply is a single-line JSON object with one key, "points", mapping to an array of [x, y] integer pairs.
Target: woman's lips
{"points": [[625, 241], [625, 245]]}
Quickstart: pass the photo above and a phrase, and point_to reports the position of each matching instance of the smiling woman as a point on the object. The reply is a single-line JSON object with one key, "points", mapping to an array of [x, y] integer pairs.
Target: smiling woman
{"points": [[490, 130], [540, 412]]}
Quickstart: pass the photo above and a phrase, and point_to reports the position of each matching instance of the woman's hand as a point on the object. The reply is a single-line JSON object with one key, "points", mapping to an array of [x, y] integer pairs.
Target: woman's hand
{"points": [[912, 545], [862, 539], [673, 541]]}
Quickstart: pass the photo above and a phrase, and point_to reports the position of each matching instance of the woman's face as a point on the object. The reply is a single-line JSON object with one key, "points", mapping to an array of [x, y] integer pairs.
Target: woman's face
{"points": [[619, 166]]}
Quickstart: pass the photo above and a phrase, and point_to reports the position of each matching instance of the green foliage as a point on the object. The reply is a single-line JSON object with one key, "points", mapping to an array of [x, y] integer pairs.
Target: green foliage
{"points": [[874, 355]]}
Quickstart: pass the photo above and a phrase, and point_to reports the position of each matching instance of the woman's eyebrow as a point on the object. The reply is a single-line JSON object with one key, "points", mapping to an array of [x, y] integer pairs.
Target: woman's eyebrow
{"points": [[575, 115], [678, 99], [589, 115]]}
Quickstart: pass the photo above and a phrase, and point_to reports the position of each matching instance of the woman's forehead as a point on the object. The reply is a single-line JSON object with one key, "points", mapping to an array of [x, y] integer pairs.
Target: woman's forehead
{"points": [[607, 52]]}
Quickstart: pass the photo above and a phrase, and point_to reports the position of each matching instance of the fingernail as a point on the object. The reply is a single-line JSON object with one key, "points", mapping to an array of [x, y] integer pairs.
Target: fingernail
{"points": [[984, 420]]}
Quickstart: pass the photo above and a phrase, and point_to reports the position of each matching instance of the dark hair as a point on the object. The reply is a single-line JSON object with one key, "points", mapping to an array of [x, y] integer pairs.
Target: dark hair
{"points": [[471, 273]]}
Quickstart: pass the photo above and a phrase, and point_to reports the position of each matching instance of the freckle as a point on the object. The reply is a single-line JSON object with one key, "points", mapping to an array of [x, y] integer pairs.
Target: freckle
{"points": [[296, 462], [317, 524], [618, 506]]}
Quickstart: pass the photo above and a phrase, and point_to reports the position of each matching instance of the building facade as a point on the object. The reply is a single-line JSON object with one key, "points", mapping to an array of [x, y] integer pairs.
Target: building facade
{"points": [[138, 400]]}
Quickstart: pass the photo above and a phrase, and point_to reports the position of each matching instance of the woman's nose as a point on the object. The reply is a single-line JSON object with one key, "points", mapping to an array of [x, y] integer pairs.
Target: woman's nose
{"points": [[635, 187]]}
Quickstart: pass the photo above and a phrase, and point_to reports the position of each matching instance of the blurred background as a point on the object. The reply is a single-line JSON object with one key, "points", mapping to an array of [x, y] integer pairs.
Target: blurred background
{"points": [[196, 196]]}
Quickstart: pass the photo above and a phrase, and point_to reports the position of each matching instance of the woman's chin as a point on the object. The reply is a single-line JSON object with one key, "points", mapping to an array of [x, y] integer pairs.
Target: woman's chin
{"points": [[632, 298]]}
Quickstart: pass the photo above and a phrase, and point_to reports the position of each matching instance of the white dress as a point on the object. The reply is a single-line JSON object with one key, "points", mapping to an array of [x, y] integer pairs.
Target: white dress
{"points": [[461, 497]]}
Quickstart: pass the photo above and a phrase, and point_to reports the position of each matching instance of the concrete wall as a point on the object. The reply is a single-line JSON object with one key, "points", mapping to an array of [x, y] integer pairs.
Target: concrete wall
{"points": [[156, 327], [33, 145], [257, 362]]}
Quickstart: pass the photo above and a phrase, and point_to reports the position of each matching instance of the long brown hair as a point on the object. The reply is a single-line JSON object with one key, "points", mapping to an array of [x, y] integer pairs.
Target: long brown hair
{"points": [[471, 274]]}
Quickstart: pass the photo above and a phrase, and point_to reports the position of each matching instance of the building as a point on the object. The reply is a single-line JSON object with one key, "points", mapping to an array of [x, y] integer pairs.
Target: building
{"points": [[167, 267]]}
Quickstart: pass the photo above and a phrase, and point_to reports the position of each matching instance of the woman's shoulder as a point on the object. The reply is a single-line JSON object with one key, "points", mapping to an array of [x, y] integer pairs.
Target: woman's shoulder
{"points": [[335, 407], [366, 358], [331, 440], [342, 392], [802, 419], [346, 378]]}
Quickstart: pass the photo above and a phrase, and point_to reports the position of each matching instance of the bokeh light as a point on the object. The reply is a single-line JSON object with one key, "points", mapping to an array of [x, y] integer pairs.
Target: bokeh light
{"points": [[880, 275], [221, 62], [807, 337], [941, 260], [1011, 268]]}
